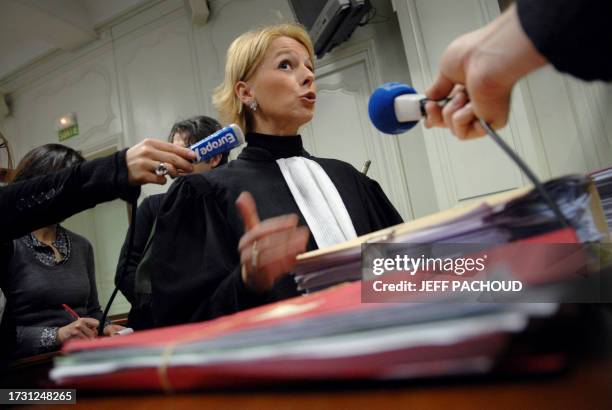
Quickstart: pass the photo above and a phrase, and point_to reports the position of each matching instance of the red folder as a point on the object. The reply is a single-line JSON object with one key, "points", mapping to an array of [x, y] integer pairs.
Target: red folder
{"points": [[471, 355]]}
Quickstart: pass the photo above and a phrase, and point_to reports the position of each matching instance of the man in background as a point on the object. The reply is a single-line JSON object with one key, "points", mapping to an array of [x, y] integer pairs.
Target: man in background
{"points": [[184, 134]]}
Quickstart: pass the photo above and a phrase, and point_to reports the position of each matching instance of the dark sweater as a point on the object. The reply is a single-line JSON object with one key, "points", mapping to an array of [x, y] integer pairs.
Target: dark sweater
{"points": [[140, 316], [48, 199], [571, 34], [36, 292]]}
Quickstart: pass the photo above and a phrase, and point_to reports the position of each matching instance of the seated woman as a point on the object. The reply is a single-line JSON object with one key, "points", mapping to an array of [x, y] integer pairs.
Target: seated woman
{"points": [[183, 133], [211, 255], [49, 268]]}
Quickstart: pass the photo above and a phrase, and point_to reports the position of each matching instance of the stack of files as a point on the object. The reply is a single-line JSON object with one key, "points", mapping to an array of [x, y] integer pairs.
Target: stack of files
{"points": [[603, 183], [325, 336], [332, 335], [498, 220]]}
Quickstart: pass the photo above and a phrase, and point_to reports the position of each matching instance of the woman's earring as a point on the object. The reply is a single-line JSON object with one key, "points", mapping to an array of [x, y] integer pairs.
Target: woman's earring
{"points": [[252, 105]]}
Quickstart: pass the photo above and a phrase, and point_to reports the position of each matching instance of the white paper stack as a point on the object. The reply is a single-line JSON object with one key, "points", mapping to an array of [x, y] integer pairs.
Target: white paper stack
{"points": [[603, 183]]}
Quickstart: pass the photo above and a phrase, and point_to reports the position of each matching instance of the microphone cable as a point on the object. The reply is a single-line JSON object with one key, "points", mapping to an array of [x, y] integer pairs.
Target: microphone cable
{"points": [[515, 158], [528, 172]]}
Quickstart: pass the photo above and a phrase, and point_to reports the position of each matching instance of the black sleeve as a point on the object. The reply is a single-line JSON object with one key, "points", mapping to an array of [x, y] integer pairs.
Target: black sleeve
{"points": [[33, 340], [573, 35], [381, 211], [45, 200], [194, 264], [145, 217]]}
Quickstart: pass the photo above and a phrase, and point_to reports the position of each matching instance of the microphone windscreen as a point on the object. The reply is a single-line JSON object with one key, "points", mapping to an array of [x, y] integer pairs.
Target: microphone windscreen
{"points": [[382, 110]]}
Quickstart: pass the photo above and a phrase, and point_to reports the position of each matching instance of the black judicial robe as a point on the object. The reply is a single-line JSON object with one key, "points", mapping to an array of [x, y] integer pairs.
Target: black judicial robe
{"points": [[194, 260]]}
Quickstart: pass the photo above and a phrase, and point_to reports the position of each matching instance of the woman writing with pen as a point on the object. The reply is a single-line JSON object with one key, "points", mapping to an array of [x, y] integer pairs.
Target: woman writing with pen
{"points": [[50, 287], [47, 199]]}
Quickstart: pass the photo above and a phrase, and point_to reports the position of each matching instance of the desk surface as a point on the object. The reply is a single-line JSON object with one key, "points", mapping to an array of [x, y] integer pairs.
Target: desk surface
{"points": [[589, 386]]}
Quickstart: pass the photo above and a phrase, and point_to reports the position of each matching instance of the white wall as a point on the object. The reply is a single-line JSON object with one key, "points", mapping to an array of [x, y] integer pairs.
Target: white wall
{"points": [[571, 120], [558, 124], [103, 226]]}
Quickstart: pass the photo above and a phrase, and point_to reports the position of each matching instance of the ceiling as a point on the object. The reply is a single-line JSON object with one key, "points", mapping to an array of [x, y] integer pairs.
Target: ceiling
{"points": [[30, 29]]}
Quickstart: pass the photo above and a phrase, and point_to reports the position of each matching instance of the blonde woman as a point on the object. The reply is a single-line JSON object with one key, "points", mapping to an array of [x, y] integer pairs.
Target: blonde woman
{"points": [[215, 252]]}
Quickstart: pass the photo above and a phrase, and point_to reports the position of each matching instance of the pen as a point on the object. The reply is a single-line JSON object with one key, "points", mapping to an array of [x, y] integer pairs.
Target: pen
{"points": [[366, 167], [72, 313]]}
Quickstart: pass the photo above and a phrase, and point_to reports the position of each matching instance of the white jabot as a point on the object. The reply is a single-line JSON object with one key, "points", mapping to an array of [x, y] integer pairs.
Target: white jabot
{"points": [[318, 200]]}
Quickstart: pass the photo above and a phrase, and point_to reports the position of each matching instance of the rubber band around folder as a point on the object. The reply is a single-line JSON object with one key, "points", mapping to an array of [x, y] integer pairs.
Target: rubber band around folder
{"points": [[162, 370], [168, 352]]}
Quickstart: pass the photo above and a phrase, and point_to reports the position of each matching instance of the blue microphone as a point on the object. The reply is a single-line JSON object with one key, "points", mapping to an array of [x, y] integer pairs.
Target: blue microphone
{"points": [[225, 139], [395, 108]]}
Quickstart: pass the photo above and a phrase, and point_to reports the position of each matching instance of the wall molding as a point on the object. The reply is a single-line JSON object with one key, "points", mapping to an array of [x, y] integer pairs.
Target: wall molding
{"points": [[70, 82], [414, 45], [56, 60], [94, 147], [51, 65], [131, 46]]}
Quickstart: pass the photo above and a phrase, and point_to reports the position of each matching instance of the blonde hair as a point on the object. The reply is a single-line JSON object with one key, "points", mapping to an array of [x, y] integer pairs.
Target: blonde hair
{"points": [[243, 57]]}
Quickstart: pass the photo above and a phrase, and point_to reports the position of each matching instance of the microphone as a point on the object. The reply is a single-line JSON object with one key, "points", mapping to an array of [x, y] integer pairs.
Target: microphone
{"points": [[395, 108], [225, 139]]}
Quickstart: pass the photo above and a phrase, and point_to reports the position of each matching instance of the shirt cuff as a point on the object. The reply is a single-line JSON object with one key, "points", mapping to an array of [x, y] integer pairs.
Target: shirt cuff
{"points": [[48, 339]]}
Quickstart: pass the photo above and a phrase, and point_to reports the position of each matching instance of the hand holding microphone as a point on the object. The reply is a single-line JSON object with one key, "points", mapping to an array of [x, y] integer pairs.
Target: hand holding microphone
{"points": [[484, 65], [395, 108], [150, 160], [144, 158], [225, 139]]}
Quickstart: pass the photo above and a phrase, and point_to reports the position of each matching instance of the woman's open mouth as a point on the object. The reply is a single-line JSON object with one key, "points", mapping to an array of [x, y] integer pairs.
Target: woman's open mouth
{"points": [[309, 97]]}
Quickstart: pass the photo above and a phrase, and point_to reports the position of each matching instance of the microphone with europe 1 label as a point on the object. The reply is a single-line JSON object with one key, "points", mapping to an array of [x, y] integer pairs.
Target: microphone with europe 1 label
{"points": [[225, 139]]}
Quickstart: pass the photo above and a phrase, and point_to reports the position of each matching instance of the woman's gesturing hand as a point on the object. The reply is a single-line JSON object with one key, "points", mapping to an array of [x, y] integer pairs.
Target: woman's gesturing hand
{"points": [[143, 158], [268, 249]]}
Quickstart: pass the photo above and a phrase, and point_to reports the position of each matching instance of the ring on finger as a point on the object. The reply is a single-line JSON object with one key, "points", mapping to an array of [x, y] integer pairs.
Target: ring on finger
{"points": [[161, 169]]}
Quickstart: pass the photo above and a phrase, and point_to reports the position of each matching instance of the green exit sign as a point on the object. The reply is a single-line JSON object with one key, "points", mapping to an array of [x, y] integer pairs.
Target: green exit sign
{"points": [[68, 132]]}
